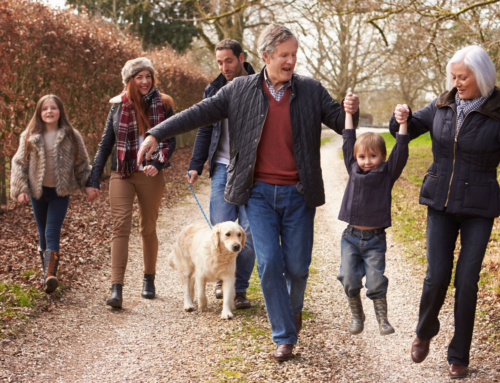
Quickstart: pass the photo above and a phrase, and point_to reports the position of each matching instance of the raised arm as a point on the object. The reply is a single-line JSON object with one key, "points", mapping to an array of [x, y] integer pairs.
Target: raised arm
{"points": [[419, 122], [332, 114], [349, 136], [399, 155]]}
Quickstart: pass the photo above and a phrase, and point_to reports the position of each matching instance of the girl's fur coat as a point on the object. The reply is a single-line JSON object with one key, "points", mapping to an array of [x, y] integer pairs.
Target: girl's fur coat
{"points": [[27, 176]]}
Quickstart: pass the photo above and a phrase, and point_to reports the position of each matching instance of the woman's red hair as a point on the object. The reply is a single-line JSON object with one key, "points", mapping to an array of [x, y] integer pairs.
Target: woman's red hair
{"points": [[139, 106]]}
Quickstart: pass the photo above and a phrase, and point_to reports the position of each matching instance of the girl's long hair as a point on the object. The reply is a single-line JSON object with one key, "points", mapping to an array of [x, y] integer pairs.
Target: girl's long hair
{"points": [[139, 105], [36, 125]]}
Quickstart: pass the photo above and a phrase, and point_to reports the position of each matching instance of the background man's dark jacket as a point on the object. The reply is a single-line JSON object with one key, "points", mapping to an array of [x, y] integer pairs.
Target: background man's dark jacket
{"points": [[463, 174], [244, 103], [208, 137]]}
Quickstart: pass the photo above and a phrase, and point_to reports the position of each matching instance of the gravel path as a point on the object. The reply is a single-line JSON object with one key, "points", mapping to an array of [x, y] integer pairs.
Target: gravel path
{"points": [[82, 340]]}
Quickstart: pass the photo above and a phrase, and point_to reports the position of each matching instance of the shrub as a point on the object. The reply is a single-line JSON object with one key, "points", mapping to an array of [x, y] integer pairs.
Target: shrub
{"points": [[43, 50]]}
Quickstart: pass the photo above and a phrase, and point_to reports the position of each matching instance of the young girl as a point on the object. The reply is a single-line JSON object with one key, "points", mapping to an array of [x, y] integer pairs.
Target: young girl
{"points": [[366, 207], [50, 164]]}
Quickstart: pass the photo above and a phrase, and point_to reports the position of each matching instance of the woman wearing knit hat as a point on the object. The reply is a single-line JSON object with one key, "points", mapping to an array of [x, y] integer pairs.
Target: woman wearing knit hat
{"points": [[139, 108]]}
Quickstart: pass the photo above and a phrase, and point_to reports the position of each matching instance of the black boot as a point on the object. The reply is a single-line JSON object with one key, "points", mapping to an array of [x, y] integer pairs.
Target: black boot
{"points": [[148, 287], [50, 263], [115, 299]]}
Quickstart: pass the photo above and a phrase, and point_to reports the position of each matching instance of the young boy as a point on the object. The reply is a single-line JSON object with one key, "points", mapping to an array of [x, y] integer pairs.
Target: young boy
{"points": [[366, 207]]}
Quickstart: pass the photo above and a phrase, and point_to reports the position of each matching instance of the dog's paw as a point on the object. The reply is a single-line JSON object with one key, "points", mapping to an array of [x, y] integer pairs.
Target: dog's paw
{"points": [[189, 308], [227, 315], [232, 306]]}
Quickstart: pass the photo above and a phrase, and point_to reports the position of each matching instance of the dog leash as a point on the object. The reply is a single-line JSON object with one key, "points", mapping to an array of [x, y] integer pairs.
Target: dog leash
{"points": [[192, 191]]}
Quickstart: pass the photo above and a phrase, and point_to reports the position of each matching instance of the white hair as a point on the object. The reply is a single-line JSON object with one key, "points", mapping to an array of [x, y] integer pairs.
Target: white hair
{"points": [[272, 36], [478, 61]]}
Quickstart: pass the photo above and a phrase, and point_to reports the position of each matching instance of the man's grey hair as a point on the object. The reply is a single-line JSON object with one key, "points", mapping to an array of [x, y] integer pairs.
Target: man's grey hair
{"points": [[479, 63], [272, 36]]}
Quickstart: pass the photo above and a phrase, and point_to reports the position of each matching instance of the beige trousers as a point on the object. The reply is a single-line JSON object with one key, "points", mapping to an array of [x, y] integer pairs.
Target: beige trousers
{"points": [[122, 192]]}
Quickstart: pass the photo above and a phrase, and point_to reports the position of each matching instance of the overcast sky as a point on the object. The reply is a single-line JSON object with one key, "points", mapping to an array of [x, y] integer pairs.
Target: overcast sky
{"points": [[56, 3]]}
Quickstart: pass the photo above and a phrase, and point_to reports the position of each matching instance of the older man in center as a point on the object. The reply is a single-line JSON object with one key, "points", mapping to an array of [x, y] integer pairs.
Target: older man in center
{"points": [[275, 122]]}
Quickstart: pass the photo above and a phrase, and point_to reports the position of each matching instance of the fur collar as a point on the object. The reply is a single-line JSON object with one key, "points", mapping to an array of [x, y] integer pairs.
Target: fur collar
{"points": [[166, 100], [490, 108], [38, 142]]}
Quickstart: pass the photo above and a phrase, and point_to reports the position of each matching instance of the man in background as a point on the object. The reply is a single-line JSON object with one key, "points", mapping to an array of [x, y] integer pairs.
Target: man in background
{"points": [[212, 143]]}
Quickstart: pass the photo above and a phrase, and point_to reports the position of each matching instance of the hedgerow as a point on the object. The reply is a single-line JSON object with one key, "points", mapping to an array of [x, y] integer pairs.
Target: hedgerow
{"points": [[44, 50]]}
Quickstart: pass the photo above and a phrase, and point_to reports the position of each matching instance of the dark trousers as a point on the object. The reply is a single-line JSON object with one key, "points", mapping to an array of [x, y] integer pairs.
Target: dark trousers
{"points": [[442, 232], [50, 211]]}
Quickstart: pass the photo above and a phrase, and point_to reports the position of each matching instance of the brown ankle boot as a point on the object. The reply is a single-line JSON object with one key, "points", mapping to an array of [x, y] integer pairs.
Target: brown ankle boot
{"points": [[51, 262]]}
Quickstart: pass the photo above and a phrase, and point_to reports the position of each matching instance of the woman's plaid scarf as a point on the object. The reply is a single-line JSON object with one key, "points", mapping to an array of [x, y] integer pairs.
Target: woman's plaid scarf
{"points": [[464, 107], [127, 145]]}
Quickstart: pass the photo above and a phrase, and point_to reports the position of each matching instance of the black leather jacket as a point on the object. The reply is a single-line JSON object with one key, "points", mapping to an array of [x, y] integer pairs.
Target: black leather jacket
{"points": [[208, 137], [463, 175], [107, 145], [245, 103]]}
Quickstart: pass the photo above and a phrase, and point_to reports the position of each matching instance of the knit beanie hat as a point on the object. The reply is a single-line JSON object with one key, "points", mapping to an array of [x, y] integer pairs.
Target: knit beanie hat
{"points": [[132, 67]]}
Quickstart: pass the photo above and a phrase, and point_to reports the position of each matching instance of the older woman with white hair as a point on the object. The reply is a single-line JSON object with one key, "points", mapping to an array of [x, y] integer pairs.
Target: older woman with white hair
{"points": [[461, 192]]}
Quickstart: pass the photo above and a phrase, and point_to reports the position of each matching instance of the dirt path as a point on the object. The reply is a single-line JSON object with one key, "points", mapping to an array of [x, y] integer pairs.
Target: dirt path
{"points": [[84, 341]]}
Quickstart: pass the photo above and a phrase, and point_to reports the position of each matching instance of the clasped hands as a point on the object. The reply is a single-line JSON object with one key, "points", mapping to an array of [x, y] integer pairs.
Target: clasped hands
{"points": [[401, 113], [93, 193]]}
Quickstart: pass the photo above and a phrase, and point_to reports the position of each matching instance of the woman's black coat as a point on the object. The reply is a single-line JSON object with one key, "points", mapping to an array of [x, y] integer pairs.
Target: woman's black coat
{"points": [[463, 175]]}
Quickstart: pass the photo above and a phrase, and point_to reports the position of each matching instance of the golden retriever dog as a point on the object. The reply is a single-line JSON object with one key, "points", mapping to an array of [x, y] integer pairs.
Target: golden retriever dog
{"points": [[202, 255]]}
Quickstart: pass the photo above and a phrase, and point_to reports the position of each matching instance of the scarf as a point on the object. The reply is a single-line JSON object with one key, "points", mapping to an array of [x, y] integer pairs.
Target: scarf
{"points": [[464, 107], [127, 143]]}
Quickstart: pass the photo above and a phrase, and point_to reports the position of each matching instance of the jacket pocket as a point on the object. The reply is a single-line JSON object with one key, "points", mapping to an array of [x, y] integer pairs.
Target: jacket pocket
{"points": [[429, 186], [477, 196]]}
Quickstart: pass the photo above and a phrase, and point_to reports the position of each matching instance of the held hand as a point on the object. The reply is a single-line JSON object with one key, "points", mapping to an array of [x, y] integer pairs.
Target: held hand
{"points": [[351, 103], [401, 113], [92, 193], [147, 148], [23, 198], [150, 171], [192, 177]]}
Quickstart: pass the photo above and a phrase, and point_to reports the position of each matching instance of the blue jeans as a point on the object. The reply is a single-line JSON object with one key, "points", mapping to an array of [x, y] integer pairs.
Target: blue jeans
{"points": [[363, 253], [221, 211], [50, 211], [442, 232], [282, 227]]}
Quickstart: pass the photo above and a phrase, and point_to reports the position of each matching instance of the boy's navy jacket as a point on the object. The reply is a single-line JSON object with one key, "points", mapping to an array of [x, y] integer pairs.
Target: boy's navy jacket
{"points": [[208, 137], [367, 197]]}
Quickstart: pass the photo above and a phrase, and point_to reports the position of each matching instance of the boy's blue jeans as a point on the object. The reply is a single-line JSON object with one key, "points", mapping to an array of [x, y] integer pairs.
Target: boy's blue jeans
{"points": [[50, 211], [282, 227], [363, 253], [221, 211]]}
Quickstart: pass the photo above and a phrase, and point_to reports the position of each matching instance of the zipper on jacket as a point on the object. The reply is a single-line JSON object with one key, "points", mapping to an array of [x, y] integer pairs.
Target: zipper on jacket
{"points": [[431, 175], [258, 142], [454, 148]]}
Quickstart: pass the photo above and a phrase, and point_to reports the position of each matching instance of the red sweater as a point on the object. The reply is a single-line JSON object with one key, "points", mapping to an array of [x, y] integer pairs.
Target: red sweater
{"points": [[275, 161]]}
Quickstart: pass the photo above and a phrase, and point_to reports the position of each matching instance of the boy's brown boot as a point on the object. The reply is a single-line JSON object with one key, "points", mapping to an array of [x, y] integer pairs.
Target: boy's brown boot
{"points": [[50, 263], [358, 316], [381, 314]]}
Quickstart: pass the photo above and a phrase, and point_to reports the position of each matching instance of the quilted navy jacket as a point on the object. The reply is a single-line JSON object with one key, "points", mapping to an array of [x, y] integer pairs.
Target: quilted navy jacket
{"points": [[208, 137], [463, 175], [244, 103]]}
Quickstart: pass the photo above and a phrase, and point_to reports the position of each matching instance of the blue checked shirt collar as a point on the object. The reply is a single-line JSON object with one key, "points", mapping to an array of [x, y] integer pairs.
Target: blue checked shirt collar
{"points": [[464, 107], [281, 91]]}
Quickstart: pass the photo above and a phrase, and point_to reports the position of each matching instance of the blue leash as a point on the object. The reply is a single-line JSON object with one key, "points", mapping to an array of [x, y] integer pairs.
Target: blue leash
{"points": [[192, 191]]}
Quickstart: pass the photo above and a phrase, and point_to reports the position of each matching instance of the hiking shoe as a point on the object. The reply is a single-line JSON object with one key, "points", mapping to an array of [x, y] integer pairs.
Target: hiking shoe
{"points": [[50, 262]]}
